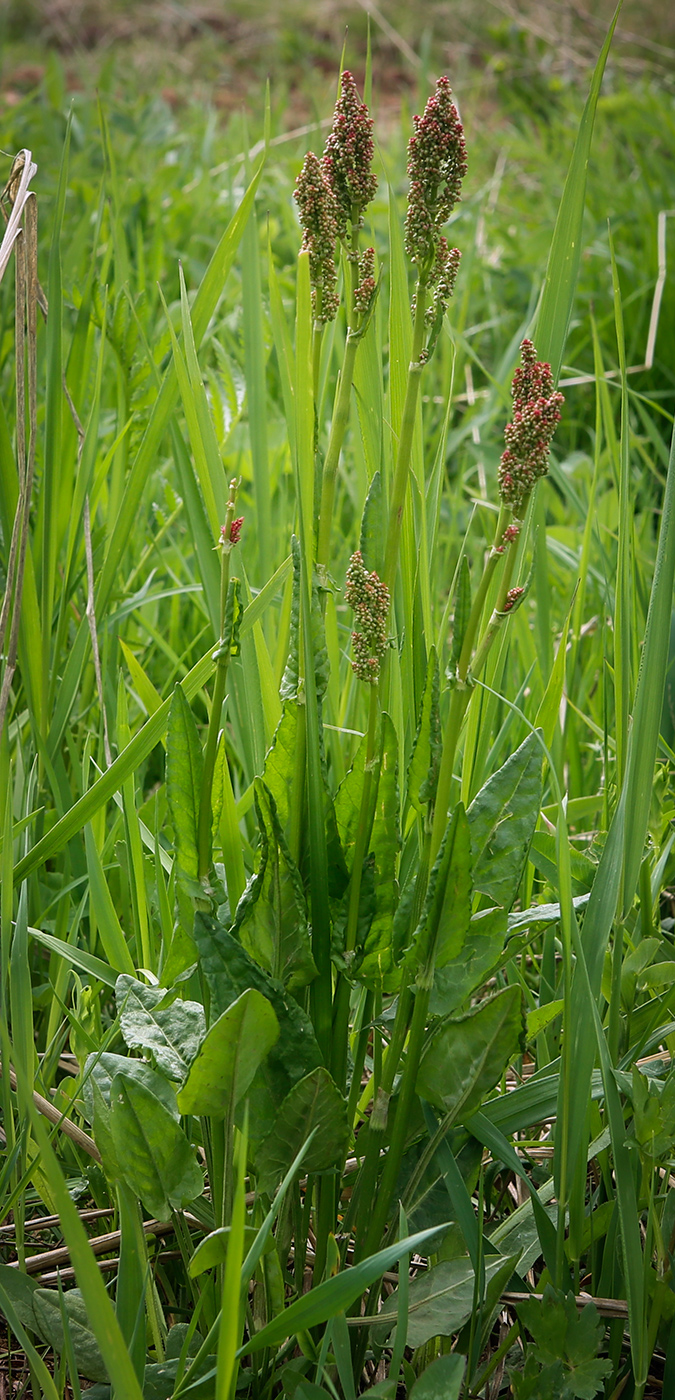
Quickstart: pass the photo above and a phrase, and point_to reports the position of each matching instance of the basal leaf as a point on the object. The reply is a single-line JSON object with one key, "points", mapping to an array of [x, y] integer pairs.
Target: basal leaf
{"points": [[100, 1070], [442, 1380], [153, 1019], [314, 1102], [47, 1305], [228, 1058], [440, 1301], [229, 971], [154, 1155]]}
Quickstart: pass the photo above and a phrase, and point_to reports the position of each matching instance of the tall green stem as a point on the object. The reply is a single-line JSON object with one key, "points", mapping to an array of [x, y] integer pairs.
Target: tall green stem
{"points": [[405, 441], [341, 407], [365, 822], [219, 685]]}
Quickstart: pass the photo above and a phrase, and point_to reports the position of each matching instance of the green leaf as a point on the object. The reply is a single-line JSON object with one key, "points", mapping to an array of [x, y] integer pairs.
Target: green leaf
{"points": [[334, 1295], [314, 1102], [482, 953], [101, 1069], [427, 747], [184, 765], [544, 859], [502, 818], [48, 1316], [563, 1333], [462, 612], [288, 689], [465, 1058], [228, 971], [104, 912], [271, 919], [440, 1301], [373, 527], [228, 1058], [541, 1017], [649, 693], [446, 917], [20, 1289], [154, 1155], [378, 952], [153, 1019], [442, 1380], [212, 1250]]}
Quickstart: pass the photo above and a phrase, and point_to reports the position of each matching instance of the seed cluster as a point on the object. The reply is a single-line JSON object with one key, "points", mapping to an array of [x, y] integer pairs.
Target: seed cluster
{"points": [[436, 167], [318, 217], [365, 291], [369, 598], [528, 437], [348, 155]]}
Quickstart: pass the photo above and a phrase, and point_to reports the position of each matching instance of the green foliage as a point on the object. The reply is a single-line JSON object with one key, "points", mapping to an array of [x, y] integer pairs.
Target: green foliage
{"points": [[566, 1344]]}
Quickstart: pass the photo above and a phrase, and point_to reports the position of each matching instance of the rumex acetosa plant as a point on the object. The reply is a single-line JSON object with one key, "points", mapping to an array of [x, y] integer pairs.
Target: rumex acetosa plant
{"points": [[306, 1041]]}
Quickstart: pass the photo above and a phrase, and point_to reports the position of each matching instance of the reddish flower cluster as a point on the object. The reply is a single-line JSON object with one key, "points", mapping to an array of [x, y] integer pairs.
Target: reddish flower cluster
{"points": [[234, 535], [528, 438], [318, 217], [436, 166], [369, 598], [513, 597], [366, 289], [348, 155]]}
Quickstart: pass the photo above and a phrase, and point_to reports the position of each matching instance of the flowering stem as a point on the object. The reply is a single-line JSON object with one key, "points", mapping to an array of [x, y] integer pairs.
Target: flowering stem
{"points": [[363, 830], [205, 813], [341, 407], [405, 441], [462, 692]]}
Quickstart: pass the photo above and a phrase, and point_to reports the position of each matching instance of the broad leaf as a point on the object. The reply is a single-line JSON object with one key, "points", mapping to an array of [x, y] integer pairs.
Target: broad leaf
{"points": [[464, 1059], [47, 1305], [100, 1070], [502, 818], [184, 766], [481, 954], [440, 1301], [315, 1102], [154, 1155], [228, 971], [442, 1380], [153, 1019], [228, 1058]]}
